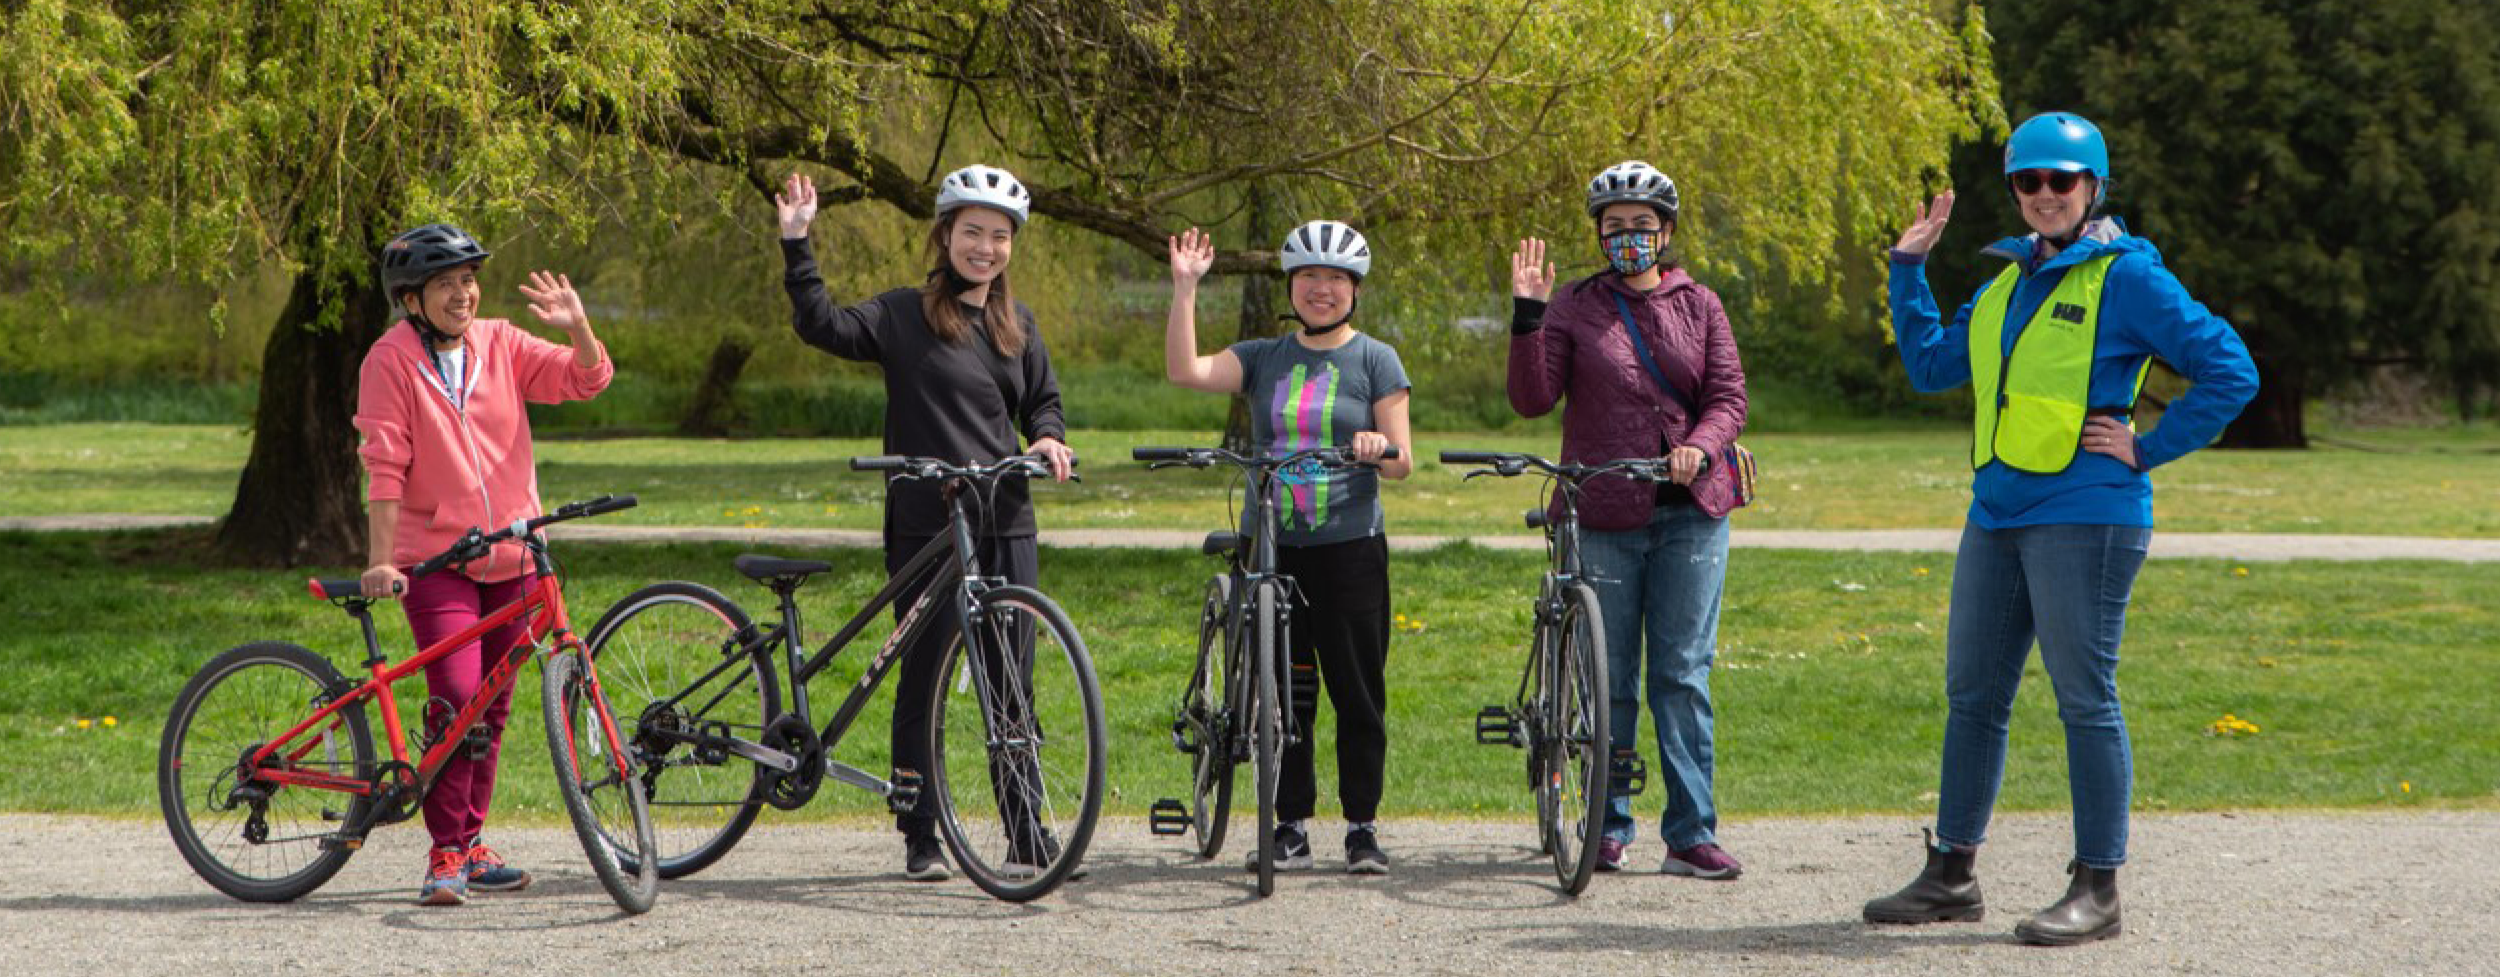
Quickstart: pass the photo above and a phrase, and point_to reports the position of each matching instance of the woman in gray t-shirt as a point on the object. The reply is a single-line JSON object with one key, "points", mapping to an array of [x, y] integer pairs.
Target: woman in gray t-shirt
{"points": [[1324, 385]]}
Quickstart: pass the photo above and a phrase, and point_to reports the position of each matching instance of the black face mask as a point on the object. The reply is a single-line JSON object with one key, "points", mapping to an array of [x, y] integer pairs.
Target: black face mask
{"points": [[1321, 330]]}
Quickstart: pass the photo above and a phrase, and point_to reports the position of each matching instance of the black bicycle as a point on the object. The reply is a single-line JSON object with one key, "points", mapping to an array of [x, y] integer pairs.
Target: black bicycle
{"points": [[1016, 727], [1559, 713], [1235, 709]]}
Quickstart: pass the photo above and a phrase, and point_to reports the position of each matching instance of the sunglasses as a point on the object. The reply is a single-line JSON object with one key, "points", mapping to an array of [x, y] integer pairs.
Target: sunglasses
{"points": [[2057, 181]]}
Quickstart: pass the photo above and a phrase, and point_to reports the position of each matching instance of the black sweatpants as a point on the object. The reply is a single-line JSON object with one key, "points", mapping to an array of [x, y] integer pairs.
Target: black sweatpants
{"points": [[1341, 637], [1016, 558]]}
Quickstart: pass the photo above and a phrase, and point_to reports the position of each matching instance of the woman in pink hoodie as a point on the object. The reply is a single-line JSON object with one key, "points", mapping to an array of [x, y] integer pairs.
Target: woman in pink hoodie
{"points": [[441, 403]]}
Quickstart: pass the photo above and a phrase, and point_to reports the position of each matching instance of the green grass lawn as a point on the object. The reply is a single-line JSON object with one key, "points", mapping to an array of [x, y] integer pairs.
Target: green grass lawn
{"points": [[1828, 685], [2432, 487]]}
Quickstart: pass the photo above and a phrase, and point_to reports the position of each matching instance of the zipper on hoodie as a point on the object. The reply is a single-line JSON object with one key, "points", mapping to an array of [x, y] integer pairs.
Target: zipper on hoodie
{"points": [[468, 432]]}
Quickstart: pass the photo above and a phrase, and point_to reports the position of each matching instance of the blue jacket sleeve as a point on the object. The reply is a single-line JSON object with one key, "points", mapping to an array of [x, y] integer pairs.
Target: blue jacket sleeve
{"points": [[1937, 355], [2157, 312]]}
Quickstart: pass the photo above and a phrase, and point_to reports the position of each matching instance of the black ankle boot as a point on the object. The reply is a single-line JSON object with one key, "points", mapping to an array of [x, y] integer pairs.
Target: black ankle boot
{"points": [[1944, 892], [2089, 912]]}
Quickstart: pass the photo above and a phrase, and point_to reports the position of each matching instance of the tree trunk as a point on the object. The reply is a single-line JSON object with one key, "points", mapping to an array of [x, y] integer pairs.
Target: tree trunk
{"points": [[708, 415], [1258, 309], [300, 501], [2273, 419]]}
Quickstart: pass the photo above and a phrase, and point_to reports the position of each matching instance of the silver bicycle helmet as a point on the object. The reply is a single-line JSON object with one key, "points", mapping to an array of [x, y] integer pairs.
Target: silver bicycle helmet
{"points": [[987, 186], [1632, 181], [1327, 244]]}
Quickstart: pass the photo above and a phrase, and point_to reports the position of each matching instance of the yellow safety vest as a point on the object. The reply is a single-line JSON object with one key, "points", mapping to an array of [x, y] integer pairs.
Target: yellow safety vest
{"points": [[2031, 403]]}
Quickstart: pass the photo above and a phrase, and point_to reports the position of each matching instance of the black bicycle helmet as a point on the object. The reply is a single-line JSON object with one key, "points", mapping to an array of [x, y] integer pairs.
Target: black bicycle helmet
{"points": [[420, 253]]}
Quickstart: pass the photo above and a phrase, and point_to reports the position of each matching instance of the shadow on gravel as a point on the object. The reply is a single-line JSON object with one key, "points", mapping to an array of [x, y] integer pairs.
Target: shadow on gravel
{"points": [[1480, 878], [1836, 940]]}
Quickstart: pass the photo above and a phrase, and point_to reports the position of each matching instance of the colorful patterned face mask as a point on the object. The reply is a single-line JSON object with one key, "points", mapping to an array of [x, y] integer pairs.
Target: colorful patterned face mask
{"points": [[1631, 251]]}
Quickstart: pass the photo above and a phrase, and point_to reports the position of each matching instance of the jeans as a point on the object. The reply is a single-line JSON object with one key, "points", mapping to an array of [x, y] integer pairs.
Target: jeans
{"points": [[2067, 587], [1662, 582]]}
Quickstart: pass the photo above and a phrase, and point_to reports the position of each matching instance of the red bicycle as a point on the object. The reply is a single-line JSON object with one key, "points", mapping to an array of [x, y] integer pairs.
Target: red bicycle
{"points": [[267, 772]]}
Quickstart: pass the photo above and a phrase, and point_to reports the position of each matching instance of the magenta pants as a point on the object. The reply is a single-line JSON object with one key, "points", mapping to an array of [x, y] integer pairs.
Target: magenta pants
{"points": [[441, 605]]}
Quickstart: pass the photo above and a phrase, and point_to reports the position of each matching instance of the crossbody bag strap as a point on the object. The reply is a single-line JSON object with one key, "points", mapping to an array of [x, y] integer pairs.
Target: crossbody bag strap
{"points": [[1623, 314]]}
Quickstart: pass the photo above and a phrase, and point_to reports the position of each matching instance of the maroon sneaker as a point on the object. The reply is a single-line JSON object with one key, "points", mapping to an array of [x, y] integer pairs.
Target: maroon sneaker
{"points": [[1609, 855], [1702, 861]]}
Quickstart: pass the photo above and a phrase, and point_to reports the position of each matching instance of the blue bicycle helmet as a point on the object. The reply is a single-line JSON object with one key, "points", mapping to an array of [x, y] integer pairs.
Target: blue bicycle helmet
{"points": [[2060, 141]]}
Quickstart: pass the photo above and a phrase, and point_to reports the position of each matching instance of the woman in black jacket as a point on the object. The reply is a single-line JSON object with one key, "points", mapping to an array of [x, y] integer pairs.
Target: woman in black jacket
{"points": [[965, 374]]}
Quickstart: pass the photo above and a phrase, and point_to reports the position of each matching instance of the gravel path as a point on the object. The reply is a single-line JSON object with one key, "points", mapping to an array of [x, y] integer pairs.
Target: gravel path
{"points": [[2269, 894], [2255, 547]]}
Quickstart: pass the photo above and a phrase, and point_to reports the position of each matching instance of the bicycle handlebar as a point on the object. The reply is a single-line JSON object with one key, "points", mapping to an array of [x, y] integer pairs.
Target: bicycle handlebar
{"points": [[1332, 456], [1027, 465], [474, 543], [1507, 464]]}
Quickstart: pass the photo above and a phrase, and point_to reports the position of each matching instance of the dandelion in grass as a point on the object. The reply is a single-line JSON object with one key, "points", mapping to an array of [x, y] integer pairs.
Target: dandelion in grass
{"points": [[110, 722], [2239, 571], [1918, 571], [85, 723], [2230, 725], [2405, 786]]}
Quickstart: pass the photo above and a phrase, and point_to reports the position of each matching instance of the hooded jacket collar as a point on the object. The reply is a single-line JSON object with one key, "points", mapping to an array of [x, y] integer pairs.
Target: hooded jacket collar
{"points": [[1670, 281], [2101, 235]]}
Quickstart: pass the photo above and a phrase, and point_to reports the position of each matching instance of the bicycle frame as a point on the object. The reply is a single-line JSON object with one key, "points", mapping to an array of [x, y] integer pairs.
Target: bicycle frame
{"points": [[546, 593], [953, 555]]}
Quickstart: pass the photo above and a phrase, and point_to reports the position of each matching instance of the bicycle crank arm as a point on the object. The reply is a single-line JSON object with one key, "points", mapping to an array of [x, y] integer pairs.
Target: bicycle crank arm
{"points": [[858, 778], [765, 755]]}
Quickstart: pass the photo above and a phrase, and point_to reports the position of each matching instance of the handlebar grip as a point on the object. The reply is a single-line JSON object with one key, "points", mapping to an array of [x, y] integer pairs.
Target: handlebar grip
{"points": [[610, 504], [1159, 454], [1392, 452], [1471, 457], [878, 463]]}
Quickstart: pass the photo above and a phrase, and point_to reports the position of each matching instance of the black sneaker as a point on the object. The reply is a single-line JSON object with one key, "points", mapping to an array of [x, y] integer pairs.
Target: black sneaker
{"points": [[1026, 859], [1292, 850], [924, 860], [1362, 852]]}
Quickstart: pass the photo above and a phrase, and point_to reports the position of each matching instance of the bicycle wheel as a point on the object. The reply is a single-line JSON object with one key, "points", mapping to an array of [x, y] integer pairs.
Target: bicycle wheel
{"points": [[1017, 738], [1266, 717], [1206, 712], [600, 785], [668, 661], [254, 840], [1574, 740]]}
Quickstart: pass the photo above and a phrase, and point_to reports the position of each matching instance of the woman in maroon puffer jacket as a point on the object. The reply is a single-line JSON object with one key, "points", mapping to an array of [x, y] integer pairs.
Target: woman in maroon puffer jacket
{"points": [[1658, 551]]}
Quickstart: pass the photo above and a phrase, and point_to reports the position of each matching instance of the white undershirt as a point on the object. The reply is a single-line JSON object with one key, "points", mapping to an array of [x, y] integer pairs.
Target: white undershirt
{"points": [[455, 372]]}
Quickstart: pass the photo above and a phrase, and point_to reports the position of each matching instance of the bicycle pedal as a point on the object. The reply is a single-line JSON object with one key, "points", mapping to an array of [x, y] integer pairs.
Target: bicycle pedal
{"points": [[903, 795], [1627, 774], [1169, 817], [1181, 740], [1495, 726], [341, 843]]}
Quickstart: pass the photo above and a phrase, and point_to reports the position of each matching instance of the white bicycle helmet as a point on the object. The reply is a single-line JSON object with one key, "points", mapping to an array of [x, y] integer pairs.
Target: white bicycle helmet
{"points": [[1327, 244], [987, 186], [1632, 181]]}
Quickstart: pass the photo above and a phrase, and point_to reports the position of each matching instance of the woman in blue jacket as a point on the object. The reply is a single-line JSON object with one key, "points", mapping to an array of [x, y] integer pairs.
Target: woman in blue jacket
{"points": [[2056, 349]]}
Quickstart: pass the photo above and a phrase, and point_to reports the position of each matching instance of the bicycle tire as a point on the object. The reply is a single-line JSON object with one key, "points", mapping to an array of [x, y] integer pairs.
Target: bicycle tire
{"points": [[1267, 723], [232, 704], [601, 788], [1017, 801], [1207, 710], [652, 647], [1576, 739]]}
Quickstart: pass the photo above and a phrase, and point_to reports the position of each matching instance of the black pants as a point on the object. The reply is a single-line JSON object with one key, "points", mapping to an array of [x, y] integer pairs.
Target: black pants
{"points": [[1340, 638], [1016, 558]]}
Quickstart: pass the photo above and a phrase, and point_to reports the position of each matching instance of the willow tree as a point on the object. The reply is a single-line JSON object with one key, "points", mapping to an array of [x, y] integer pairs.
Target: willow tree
{"points": [[203, 140], [198, 137], [1796, 126]]}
